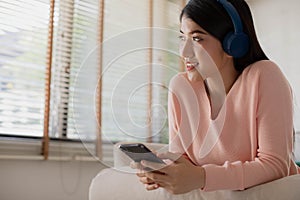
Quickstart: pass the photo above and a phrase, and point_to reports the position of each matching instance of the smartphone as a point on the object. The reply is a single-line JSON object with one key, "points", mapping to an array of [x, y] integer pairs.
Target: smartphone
{"points": [[138, 152]]}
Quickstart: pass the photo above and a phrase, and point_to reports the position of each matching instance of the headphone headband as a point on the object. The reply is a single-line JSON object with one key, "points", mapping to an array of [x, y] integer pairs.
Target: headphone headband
{"points": [[235, 18]]}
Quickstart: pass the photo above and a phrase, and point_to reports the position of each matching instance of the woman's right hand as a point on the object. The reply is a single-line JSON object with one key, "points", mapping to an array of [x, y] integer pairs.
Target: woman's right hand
{"points": [[149, 183]]}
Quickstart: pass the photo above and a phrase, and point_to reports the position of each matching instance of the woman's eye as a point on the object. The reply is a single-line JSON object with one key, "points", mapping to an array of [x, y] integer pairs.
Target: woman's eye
{"points": [[197, 39]]}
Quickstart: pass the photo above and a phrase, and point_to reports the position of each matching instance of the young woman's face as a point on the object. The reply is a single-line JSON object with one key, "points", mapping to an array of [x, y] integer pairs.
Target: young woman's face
{"points": [[202, 52]]}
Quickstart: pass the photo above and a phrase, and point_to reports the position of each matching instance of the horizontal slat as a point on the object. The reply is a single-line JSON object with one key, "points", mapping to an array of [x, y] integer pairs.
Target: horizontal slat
{"points": [[37, 25], [23, 100], [25, 84]]}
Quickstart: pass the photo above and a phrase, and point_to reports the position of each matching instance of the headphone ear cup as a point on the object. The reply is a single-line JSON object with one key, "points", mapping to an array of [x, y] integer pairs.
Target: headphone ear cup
{"points": [[236, 44]]}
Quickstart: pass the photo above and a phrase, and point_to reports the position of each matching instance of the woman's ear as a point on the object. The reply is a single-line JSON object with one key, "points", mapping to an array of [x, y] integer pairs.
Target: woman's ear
{"points": [[227, 55]]}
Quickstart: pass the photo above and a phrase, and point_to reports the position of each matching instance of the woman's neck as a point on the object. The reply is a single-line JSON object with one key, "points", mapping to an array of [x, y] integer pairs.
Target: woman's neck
{"points": [[216, 93], [229, 76], [219, 85]]}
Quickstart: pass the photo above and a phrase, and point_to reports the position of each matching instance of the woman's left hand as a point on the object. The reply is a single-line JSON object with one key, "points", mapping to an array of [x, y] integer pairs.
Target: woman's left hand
{"points": [[178, 177]]}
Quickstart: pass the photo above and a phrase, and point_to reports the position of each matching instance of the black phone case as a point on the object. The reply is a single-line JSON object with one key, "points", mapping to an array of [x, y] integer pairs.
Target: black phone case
{"points": [[138, 152]]}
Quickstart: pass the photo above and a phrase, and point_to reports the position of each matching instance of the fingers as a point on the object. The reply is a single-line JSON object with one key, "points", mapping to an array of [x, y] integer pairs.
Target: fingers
{"points": [[157, 178], [149, 183], [141, 173], [146, 180], [152, 186], [152, 179]]}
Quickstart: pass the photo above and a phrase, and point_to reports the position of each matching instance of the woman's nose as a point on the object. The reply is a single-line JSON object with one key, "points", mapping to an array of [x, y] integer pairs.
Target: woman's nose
{"points": [[186, 49]]}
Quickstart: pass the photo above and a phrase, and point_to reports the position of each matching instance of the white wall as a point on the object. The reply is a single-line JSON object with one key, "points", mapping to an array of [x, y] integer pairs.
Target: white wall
{"points": [[277, 26], [46, 180]]}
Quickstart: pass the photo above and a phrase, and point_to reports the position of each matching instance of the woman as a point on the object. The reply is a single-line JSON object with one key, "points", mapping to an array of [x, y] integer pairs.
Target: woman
{"points": [[244, 134]]}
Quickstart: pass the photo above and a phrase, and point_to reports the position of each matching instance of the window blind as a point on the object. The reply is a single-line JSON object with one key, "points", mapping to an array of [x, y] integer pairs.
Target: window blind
{"points": [[133, 80], [76, 69], [167, 61], [23, 41], [130, 40], [124, 106]]}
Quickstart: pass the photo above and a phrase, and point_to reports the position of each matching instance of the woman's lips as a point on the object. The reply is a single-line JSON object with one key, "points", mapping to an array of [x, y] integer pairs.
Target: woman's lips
{"points": [[191, 66]]}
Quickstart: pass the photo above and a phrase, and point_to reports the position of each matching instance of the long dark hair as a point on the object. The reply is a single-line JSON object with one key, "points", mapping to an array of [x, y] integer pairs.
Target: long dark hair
{"points": [[212, 17]]}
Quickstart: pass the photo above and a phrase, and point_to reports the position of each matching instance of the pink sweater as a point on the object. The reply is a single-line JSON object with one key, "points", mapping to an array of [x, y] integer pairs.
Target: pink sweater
{"points": [[256, 134]]}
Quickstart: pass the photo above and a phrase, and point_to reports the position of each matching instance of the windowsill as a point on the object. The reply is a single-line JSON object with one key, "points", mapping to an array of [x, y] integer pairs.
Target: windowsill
{"points": [[50, 158], [29, 148], [27, 138]]}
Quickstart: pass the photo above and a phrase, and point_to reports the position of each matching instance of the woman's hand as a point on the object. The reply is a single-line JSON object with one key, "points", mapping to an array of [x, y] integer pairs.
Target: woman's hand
{"points": [[149, 184], [178, 177]]}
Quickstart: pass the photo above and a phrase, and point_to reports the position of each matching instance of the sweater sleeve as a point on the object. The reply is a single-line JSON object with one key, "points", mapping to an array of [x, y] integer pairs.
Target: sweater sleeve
{"points": [[274, 125]]}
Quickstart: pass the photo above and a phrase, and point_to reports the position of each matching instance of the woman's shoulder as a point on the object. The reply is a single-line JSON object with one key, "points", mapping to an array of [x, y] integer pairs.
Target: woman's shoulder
{"points": [[265, 69], [265, 72]]}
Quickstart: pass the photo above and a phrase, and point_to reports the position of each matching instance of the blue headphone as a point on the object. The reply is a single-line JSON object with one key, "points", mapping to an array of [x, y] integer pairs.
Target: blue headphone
{"points": [[235, 43]]}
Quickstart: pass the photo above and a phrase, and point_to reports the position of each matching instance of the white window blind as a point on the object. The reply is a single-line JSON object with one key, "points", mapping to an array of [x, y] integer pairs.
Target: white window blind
{"points": [[133, 67], [23, 48], [124, 105], [167, 61], [76, 68]]}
